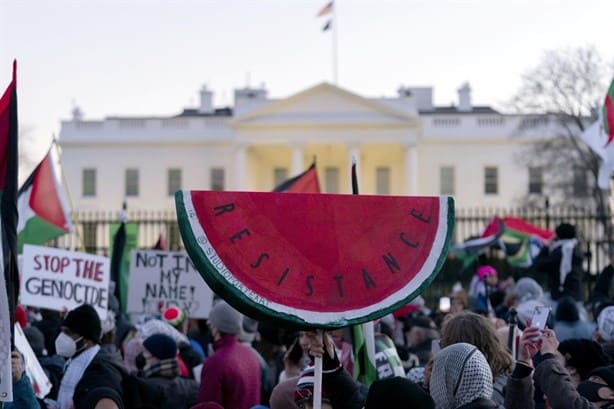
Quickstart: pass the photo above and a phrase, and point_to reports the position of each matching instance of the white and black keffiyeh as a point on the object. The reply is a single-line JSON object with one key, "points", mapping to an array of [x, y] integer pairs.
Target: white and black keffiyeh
{"points": [[460, 375], [74, 372]]}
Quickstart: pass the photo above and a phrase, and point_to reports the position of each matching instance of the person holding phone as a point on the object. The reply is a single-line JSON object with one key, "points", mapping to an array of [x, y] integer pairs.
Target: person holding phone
{"points": [[553, 378]]}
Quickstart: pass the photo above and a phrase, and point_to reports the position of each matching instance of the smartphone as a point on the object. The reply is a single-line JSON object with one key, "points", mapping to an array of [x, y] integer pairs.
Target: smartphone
{"points": [[444, 304], [540, 317]]}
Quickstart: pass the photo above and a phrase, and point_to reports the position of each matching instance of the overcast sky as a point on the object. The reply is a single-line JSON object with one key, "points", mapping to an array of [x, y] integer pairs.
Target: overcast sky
{"points": [[150, 57]]}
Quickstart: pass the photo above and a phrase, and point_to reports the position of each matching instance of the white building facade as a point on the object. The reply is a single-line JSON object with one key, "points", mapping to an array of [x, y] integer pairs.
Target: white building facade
{"points": [[403, 146]]}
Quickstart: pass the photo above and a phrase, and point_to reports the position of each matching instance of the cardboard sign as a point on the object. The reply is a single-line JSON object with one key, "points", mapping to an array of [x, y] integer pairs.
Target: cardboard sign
{"points": [[34, 370], [59, 279], [160, 279]]}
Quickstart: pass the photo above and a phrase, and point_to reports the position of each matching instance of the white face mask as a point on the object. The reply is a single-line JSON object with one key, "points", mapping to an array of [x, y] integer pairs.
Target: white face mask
{"points": [[66, 346]]}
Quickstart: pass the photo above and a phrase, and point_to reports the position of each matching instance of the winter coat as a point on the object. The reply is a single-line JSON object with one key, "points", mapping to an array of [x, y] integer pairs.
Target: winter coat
{"points": [[549, 262], [231, 376]]}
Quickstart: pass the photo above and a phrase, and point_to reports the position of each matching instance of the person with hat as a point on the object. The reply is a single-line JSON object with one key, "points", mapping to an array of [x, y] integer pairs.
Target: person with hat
{"points": [[231, 375], [561, 262], [303, 393], [159, 365], [90, 379]]}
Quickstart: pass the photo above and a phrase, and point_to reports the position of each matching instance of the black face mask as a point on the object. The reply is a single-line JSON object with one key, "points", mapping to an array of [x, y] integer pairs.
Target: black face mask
{"points": [[590, 390], [140, 361]]}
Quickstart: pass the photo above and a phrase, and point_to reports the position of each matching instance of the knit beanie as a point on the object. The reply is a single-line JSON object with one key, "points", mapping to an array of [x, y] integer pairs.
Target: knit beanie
{"points": [[225, 318], [304, 388], [395, 393], [606, 373], [485, 271], [460, 376], [584, 355], [173, 316], [84, 321], [565, 231], [567, 310], [161, 346], [527, 289], [605, 324]]}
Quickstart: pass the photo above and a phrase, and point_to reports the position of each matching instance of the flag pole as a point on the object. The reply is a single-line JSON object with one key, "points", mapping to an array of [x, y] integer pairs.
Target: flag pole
{"points": [[334, 40], [317, 373], [55, 143]]}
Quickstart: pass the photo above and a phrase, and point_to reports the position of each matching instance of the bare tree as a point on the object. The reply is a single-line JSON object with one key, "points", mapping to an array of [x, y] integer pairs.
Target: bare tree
{"points": [[563, 94]]}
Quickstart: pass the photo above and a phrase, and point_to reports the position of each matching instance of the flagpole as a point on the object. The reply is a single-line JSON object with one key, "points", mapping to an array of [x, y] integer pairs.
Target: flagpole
{"points": [[55, 143], [334, 39]]}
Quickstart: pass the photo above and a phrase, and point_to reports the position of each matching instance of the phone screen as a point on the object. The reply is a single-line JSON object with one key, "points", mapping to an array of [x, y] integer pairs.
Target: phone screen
{"points": [[540, 317], [444, 304]]}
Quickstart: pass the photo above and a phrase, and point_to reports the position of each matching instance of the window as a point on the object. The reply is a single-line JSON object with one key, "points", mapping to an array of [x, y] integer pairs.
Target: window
{"points": [[217, 178], [88, 183], [491, 180], [536, 180], [580, 182], [331, 179], [173, 181], [132, 182], [280, 175], [382, 181], [446, 180]]}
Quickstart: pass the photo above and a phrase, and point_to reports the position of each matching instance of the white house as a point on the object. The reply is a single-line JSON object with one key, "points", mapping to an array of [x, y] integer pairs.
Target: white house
{"points": [[404, 145]]}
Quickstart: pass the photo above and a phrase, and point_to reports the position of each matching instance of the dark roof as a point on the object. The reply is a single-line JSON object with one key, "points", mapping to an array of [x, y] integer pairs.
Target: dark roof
{"points": [[227, 111], [454, 110]]}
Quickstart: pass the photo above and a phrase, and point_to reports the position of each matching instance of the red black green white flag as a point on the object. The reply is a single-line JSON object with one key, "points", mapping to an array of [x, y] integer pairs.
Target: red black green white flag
{"points": [[8, 227], [306, 182], [43, 210]]}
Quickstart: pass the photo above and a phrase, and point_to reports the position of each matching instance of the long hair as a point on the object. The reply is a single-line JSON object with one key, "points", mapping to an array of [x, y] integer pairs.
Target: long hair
{"points": [[479, 331]]}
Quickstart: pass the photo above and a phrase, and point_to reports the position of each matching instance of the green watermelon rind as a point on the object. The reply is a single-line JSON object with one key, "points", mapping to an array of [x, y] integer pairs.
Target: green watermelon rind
{"points": [[227, 286]]}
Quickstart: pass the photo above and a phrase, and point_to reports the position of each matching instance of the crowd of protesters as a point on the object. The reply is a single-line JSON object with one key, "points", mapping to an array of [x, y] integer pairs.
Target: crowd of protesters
{"points": [[481, 350]]}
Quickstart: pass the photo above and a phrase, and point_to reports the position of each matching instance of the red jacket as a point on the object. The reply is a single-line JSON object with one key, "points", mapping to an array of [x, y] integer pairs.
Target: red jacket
{"points": [[231, 376]]}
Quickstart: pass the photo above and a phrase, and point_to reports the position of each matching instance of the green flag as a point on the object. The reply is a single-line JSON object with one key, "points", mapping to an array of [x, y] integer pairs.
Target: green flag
{"points": [[124, 238], [363, 345]]}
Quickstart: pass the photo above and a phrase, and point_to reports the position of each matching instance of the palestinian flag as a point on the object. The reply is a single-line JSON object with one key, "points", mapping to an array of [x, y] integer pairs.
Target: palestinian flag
{"points": [[306, 182], [9, 283], [607, 114], [469, 250], [124, 238], [522, 241], [43, 213], [363, 346]]}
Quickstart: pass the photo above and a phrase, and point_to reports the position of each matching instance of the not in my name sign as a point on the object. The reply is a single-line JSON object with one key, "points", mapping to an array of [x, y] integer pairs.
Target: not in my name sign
{"points": [[160, 279], [60, 279]]}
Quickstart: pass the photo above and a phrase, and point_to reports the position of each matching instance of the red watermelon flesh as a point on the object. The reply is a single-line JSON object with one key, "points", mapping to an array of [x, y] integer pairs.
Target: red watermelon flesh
{"points": [[317, 259]]}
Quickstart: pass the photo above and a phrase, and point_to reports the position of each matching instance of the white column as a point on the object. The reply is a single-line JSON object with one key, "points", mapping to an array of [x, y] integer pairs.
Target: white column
{"points": [[298, 162], [240, 182], [411, 169]]}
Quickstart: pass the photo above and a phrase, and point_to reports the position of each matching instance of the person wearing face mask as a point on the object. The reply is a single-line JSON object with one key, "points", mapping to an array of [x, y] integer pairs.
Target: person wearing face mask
{"points": [[90, 380]]}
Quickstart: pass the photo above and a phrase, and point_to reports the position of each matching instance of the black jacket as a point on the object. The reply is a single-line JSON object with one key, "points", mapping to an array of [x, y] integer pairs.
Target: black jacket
{"points": [[101, 379], [549, 262]]}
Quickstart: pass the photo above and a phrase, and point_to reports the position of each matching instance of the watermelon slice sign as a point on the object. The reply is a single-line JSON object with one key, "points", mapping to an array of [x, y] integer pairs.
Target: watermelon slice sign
{"points": [[315, 260]]}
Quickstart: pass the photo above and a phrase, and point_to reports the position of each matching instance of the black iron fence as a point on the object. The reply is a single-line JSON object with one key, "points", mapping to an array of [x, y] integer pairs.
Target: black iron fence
{"points": [[93, 235]]}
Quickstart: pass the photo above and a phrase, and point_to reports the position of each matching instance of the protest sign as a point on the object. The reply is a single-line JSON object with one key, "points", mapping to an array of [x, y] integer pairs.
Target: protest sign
{"points": [[160, 279], [34, 370], [59, 279]]}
